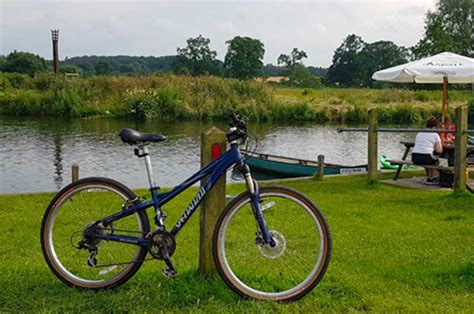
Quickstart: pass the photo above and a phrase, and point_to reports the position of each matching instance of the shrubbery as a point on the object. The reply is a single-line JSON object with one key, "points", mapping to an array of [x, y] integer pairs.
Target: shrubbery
{"points": [[471, 111], [209, 97], [141, 97]]}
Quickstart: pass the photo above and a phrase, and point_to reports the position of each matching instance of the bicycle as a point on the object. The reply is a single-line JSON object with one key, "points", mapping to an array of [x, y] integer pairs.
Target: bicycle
{"points": [[269, 243]]}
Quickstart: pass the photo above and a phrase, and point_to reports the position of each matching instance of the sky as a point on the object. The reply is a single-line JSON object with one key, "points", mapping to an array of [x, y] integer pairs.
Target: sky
{"points": [[158, 28]]}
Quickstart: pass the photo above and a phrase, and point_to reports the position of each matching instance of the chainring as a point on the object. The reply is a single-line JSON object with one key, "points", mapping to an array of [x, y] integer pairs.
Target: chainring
{"points": [[161, 243]]}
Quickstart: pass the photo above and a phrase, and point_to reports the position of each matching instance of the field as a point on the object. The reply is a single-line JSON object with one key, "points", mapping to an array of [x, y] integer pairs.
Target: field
{"points": [[212, 98], [394, 249]]}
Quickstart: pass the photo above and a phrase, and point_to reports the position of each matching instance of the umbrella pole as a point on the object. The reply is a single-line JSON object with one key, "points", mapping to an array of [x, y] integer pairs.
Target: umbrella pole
{"points": [[445, 98]]}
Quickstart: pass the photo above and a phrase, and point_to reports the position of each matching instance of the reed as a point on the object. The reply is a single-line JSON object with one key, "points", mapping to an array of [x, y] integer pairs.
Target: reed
{"points": [[210, 98]]}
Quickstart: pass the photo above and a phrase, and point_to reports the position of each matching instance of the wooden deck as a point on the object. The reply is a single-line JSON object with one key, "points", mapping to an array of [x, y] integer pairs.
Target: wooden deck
{"points": [[417, 183]]}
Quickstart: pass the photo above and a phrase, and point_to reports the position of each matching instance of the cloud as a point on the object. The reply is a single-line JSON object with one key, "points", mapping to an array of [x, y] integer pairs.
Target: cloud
{"points": [[158, 28]]}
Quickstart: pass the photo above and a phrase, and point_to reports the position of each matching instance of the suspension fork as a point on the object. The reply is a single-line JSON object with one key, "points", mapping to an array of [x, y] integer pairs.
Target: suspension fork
{"points": [[254, 191]]}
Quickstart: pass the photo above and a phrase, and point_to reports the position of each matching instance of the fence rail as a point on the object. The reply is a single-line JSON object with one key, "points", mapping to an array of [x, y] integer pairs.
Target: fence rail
{"points": [[460, 145], [394, 130]]}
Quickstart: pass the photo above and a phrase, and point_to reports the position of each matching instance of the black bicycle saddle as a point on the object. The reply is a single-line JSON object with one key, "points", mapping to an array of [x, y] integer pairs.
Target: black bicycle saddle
{"points": [[133, 137]]}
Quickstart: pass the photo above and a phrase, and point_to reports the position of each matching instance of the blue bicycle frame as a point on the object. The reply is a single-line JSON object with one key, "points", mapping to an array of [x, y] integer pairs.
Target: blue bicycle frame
{"points": [[214, 170]]}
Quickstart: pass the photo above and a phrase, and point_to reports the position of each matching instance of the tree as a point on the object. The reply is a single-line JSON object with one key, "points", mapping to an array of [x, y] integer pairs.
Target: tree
{"points": [[346, 61], [196, 58], [25, 62], [294, 69], [294, 58], [355, 61], [244, 58], [102, 67], [123, 64], [271, 70], [377, 56], [300, 76], [3, 60], [450, 27], [68, 68], [318, 71]]}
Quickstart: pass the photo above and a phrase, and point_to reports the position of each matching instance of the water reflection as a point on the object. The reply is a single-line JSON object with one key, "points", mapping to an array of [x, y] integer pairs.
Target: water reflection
{"points": [[58, 166], [31, 147]]}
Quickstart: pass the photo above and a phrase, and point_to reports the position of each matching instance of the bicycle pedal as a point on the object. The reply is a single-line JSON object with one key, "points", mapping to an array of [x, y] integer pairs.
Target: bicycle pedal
{"points": [[169, 273]]}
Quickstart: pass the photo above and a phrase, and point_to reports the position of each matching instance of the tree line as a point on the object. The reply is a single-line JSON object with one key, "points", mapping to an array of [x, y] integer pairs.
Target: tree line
{"points": [[448, 28]]}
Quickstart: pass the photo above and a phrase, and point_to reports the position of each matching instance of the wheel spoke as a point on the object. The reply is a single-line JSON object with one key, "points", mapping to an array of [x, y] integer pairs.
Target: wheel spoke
{"points": [[286, 270], [75, 214]]}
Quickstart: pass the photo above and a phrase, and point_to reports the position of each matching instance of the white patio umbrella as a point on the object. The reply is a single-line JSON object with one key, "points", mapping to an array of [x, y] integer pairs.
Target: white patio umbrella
{"points": [[445, 67]]}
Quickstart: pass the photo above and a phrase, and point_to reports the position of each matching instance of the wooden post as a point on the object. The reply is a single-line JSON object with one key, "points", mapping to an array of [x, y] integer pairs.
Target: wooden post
{"points": [[445, 99], [75, 172], [372, 156], [55, 37], [319, 174], [213, 143], [460, 150]]}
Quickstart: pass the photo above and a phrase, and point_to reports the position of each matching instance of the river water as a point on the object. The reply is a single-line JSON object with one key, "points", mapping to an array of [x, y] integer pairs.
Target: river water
{"points": [[36, 154]]}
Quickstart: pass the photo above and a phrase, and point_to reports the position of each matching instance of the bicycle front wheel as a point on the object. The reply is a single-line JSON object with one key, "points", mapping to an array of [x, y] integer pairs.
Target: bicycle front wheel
{"points": [[68, 231], [284, 272]]}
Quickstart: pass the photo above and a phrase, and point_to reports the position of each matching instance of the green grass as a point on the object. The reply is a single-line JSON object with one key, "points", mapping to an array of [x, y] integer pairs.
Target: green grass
{"points": [[394, 249], [168, 96]]}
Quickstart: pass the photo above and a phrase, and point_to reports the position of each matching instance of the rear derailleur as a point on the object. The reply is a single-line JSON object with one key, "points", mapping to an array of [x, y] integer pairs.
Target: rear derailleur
{"points": [[90, 240]]}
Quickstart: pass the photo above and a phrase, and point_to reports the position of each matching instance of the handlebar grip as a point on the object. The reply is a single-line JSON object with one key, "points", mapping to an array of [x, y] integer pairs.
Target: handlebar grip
{"points": [[237, 121], [235, 118]]}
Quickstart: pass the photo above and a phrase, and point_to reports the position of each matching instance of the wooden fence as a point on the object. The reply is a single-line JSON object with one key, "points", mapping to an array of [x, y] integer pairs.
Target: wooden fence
{"points": [[460, 146]]}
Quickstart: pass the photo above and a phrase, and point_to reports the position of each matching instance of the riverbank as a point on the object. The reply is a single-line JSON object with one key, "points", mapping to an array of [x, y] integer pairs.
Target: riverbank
{"points": [[394, 249], [210, 98]]}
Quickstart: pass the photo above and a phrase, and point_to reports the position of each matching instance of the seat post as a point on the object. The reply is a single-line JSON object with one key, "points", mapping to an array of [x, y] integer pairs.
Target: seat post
{"points": [[149, 168]]}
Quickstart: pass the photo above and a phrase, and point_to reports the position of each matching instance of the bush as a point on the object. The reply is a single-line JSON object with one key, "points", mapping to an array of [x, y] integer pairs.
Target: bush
{"points": [[357, 114], [66, 103], [69, 68], [24, 62], [470, 112], [141, 109], [208, 97], [44, 82], [166, 103], [23, 103], [18, 80], [4, 84], [405, 115]]}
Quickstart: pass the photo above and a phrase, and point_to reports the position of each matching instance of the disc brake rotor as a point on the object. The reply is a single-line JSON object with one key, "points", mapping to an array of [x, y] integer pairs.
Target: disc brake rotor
{"points": [[276, 251]]}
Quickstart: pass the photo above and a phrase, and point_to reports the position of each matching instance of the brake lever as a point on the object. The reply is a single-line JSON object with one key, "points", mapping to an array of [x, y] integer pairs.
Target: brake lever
{"points": [[237, 122]]}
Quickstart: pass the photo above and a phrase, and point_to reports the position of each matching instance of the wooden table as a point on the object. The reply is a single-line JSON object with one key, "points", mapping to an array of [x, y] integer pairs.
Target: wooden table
{"points": [[448, 152]]}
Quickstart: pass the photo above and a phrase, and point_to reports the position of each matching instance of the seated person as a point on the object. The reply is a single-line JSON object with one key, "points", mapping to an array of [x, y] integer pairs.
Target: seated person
{"points": [[426, 144], [448, 125]]}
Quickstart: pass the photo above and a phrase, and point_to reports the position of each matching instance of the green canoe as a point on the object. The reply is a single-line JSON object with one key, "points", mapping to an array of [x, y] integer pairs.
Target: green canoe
{"points": [[266, 166], [386, 165]]}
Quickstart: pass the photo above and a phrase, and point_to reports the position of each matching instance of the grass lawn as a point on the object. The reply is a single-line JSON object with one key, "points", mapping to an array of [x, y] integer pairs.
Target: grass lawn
{"points": [[394, 249]]}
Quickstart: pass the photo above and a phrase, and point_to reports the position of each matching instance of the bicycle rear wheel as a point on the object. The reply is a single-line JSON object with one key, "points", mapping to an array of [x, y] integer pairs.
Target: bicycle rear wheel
{"points": [[66, 222], [285, 272]]}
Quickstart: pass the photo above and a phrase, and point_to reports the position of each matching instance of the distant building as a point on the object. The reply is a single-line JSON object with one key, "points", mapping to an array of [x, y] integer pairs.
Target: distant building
{"points": [[272, 79]]}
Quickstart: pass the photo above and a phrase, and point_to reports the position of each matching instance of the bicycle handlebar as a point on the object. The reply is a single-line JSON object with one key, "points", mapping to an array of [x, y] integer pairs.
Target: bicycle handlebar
{"points": [[238, 128], [237, 121]]}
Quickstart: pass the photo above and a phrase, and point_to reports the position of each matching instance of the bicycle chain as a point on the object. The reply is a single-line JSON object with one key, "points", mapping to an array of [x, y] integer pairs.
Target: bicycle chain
{"points": [[124, 263], [120, 263]]}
